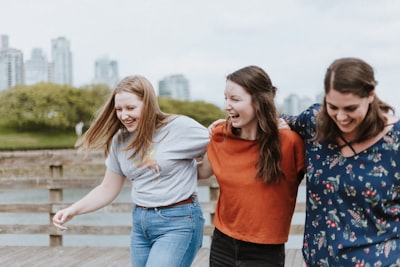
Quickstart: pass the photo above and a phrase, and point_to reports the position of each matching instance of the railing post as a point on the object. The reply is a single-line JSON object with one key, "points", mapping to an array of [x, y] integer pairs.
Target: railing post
{"points": [[56, 170], [56, 196]]}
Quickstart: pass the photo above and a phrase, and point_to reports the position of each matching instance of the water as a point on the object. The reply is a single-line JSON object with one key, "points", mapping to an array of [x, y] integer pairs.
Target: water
{"points": [[96, 218]]}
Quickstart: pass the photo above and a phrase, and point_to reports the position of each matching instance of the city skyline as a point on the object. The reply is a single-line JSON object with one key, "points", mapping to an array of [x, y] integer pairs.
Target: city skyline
{"points": [[17, 69], [39, 69], [14, 70], [176, 86], [293, 40]]}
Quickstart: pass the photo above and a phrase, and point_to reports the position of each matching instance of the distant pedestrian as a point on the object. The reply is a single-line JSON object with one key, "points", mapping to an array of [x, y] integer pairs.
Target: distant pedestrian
{"points": [[79, 128]]}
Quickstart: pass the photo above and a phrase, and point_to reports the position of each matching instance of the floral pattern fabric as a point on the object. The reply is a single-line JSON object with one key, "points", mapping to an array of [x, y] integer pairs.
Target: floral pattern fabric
{"points": [[353, 203]]}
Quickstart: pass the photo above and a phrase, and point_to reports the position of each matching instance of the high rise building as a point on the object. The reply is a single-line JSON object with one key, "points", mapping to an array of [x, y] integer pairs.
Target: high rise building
{"points": [[174, 86], [293, 104], [3, 41], [11, 65], [36, 68], [106, 72], [61, 65]]}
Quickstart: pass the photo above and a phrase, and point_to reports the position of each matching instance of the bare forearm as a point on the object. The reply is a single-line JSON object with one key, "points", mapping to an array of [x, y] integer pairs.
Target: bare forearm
{"points": [[100, 196], [96, 199], [204, 168]]}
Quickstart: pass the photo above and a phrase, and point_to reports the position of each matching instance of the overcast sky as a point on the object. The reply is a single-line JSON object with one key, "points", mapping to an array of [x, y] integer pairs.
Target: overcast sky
{"points": [[293, 40]]}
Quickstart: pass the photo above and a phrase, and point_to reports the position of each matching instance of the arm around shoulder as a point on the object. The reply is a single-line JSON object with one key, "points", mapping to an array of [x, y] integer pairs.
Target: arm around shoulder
{"points": [[204, 168]]}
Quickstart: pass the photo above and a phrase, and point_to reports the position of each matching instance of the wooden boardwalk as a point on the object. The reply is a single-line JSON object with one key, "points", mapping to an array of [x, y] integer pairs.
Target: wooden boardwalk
{"points": [[18, 256]]}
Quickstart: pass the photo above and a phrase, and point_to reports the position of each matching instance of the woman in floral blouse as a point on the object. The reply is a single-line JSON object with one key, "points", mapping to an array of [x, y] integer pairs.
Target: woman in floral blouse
{"points": [[353, 172]]}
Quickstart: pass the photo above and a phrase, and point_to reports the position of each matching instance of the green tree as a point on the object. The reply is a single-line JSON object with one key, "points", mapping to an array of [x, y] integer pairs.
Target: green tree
{"points": [[204, 113], [48, 107]]}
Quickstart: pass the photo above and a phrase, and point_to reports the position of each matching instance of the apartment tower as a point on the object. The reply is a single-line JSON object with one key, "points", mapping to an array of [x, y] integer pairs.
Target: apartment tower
{"points": [[61, 65]]}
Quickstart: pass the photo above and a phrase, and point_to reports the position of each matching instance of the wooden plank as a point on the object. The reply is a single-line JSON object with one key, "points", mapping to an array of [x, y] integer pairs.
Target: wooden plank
{"points": [[209, 182], [117, 207], [207, 207], [296, 229], [26, 229], [69, 182], [202, 258], [75, 229], [18, 256], [300, 207], [98, 256], [26, 208], [64, 256], [294, 258], [72, 229]]}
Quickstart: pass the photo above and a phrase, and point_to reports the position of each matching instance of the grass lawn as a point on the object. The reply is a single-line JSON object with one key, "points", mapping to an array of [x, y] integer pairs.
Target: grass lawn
{"points": [[22, 141]]}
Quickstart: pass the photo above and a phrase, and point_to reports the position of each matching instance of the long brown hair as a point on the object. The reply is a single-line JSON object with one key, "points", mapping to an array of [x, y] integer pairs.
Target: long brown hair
{"points": [[355, 76], [257, 83], [106, 123]]}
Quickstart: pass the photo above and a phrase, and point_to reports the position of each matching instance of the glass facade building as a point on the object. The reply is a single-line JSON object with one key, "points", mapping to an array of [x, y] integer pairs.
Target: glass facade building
{"points": [[61, 65], [106, 72], [37, 67], [174, 86]]}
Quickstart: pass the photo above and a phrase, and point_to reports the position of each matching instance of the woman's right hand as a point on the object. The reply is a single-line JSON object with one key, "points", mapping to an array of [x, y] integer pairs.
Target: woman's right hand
{"points": [[61, 217], [212, 125], [282, 124]]}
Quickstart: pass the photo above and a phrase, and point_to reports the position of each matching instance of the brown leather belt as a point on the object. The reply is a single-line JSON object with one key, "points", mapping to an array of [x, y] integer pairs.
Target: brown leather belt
{"points": [[182, 202]]}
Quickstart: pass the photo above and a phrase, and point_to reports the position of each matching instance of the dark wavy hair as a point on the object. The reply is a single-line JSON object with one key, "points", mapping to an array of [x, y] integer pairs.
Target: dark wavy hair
{"points": [[355, 76], [257, 83]]}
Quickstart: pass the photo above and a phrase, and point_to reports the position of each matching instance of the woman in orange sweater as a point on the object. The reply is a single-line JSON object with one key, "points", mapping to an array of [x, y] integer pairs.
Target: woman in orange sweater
{"points": [[258, 168]]}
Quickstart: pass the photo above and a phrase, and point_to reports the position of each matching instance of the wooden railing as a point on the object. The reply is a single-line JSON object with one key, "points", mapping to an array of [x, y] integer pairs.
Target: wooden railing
{"points": [[56, 183]]}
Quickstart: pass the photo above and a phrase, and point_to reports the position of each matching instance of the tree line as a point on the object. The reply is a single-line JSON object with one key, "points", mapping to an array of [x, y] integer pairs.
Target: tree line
{"points": [[47, 107]]}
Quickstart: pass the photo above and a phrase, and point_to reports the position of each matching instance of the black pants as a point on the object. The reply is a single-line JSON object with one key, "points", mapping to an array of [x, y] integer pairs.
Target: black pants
{"points": [[229, 252]]}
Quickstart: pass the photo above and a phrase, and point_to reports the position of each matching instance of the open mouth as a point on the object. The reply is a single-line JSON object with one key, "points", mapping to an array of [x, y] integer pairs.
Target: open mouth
{"points": [[129, 123], [345, 123]]}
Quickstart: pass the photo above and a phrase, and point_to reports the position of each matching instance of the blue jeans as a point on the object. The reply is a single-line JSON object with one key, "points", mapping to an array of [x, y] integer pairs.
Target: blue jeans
{"points": [[168, 237]]}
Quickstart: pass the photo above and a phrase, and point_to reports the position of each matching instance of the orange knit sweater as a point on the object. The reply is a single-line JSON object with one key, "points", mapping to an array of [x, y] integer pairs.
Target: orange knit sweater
{"points": [[247, 208]]}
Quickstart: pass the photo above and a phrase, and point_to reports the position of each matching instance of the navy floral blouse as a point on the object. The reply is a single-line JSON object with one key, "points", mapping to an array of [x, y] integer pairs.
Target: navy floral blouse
{"points": [[353, 203]]}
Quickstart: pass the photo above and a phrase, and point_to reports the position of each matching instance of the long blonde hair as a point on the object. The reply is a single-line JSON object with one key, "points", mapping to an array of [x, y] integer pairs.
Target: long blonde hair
{"points": [[106, 123]]}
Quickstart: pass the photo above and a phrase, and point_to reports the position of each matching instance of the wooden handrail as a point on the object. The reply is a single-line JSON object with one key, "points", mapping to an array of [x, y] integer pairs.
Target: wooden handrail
{"points": [[56, 183]]}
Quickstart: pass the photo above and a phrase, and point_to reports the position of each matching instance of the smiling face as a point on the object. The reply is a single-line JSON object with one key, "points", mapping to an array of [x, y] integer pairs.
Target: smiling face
{"points": [[128, 108], [239, 106], [347, 110]]}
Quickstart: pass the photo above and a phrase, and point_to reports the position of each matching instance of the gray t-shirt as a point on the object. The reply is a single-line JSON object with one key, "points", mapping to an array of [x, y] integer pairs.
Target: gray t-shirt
{"points": [[168, 172]]}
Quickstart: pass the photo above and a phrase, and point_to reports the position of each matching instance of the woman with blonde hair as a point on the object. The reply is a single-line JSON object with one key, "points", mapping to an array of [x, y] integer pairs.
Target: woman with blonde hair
{"points": [[157, 152]]}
